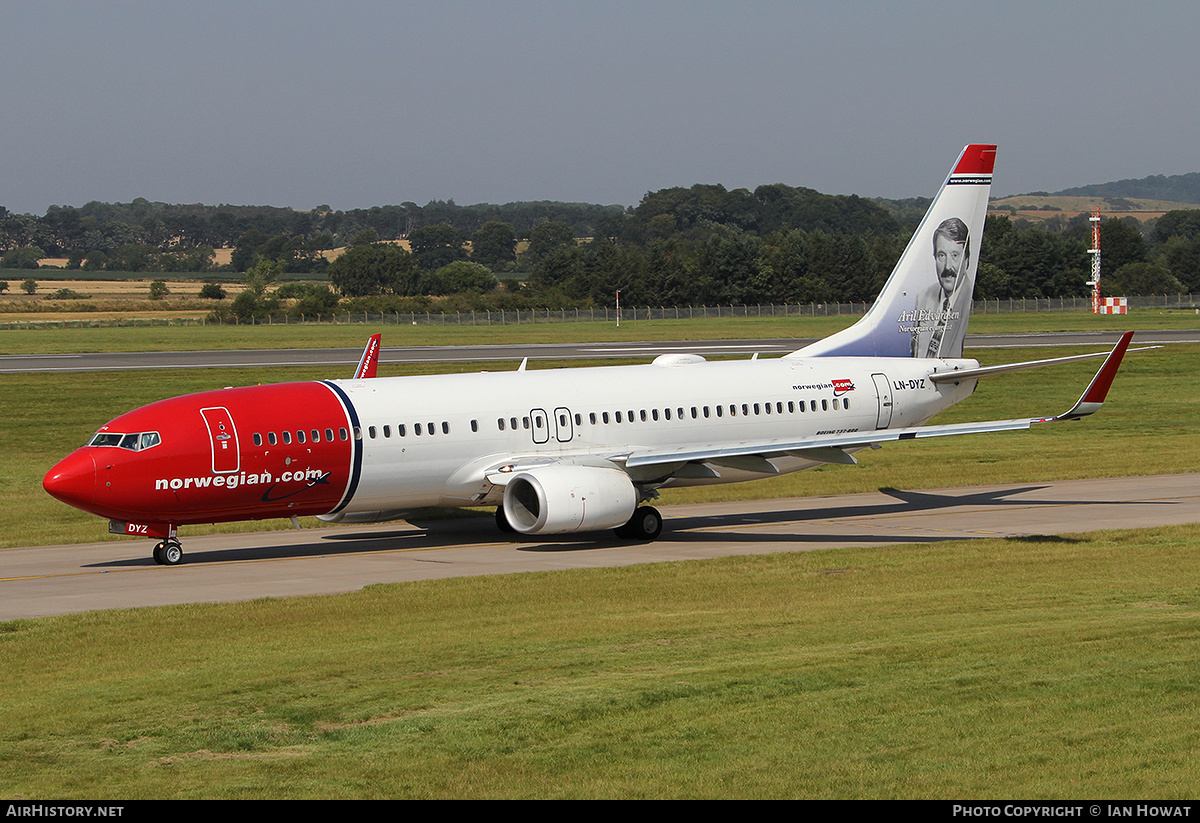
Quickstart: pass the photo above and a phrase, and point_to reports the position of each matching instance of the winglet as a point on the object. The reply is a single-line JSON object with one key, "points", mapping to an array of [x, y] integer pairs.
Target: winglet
{"points": [[1097, 390], [369, 360]]}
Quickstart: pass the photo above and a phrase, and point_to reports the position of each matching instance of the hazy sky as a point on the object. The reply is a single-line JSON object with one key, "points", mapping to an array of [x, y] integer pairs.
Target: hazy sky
{"points": [[355, 104]]}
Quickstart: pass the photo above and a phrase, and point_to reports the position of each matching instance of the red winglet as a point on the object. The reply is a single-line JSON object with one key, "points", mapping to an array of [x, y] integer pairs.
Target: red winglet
{"points": [[370, 359], [1097, 390], [977, 158]]}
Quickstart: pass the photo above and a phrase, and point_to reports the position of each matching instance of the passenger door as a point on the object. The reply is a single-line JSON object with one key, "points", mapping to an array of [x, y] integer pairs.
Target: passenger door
{"points": [[884, 390], [222, 437]]}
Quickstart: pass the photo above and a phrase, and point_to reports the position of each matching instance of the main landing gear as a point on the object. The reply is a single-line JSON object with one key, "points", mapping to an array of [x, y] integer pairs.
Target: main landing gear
{"points": [[645, 525], [168, 553]]}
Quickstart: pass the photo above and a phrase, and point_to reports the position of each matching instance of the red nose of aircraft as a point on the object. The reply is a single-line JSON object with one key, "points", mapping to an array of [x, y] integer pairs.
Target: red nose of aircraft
{"points": [[73, 480]]}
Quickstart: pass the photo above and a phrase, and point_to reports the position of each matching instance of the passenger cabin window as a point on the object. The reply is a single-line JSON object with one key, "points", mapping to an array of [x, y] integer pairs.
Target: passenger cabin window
{"points": [[271, 438], [257, 439]]}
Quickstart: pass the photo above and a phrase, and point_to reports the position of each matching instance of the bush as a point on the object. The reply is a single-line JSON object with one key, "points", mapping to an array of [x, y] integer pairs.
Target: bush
{"points": [[67, 294]]}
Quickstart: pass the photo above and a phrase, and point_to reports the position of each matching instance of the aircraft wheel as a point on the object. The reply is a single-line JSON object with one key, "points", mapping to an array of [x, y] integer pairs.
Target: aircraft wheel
{"points": [[646, 524], [172, 553], [158, 553], [502, 522]]}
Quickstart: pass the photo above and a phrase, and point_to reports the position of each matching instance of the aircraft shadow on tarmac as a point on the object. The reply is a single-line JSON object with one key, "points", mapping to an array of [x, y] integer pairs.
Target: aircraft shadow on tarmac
{"points": [[681, 530]]}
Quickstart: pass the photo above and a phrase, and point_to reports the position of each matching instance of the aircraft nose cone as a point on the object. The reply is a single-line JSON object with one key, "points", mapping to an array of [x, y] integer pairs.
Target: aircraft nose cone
{"points": [[72, 480]]}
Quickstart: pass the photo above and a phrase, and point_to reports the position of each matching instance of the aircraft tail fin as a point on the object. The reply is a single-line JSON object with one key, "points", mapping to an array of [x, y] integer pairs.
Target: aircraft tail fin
{"points": [[926, 302], [370, 358]]}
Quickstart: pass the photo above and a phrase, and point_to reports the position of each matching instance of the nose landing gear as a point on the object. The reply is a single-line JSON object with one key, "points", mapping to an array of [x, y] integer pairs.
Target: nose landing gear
{"points": [[169, 552]]}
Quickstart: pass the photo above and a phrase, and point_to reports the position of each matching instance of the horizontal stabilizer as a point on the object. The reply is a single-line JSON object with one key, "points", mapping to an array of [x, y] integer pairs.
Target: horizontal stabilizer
{"points": [[984, 371]]}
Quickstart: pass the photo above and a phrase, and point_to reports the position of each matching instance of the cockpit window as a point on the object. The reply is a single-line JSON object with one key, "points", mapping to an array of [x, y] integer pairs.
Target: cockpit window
{"points": [[132, 442]]}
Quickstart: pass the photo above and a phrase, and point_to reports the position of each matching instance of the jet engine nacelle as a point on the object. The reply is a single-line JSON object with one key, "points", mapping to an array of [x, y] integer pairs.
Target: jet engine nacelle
{"points": [[560, 499]]}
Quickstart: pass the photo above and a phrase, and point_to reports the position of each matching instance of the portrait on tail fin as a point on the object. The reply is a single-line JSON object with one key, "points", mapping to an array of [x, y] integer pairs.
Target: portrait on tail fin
{"points": [[924, 309], [939, 316]]}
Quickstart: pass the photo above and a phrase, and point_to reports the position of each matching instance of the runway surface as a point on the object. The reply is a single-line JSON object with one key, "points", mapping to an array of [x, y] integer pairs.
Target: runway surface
{"points": [[52, 580], [340, 360]]}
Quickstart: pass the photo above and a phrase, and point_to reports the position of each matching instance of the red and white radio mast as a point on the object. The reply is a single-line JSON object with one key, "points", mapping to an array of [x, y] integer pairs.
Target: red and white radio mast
{"points": [[1094, 251]]}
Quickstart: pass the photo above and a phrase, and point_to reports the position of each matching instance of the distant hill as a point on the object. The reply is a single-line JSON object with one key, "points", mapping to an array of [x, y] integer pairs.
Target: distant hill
{"points": [[1144, 199], [1176, 188]]}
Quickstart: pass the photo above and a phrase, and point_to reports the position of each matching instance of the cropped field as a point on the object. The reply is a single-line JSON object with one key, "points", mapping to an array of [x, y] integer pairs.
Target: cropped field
{"points": [[1042, 668]]}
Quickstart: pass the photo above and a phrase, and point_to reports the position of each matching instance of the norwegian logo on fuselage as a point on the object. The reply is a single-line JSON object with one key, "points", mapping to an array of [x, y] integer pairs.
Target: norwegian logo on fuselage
{"points": [[841, 386]]}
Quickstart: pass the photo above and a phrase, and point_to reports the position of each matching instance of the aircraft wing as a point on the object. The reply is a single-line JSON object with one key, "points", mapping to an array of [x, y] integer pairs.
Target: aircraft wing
{"points": [[830, 448]]}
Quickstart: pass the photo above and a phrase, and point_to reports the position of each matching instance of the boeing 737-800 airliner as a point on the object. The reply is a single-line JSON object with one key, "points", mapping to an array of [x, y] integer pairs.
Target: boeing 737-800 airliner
{"points": [[562, 450]]}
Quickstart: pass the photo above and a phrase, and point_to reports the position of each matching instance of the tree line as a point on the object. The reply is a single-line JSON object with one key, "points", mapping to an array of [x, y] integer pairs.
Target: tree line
{"points": [[679, 246]]}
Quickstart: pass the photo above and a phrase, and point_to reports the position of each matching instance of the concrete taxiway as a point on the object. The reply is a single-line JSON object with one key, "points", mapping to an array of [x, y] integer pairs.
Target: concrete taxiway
{"points": [[51, 580]]}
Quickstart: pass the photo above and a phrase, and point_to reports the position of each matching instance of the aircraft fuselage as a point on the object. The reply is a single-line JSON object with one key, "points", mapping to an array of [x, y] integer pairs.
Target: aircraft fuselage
{"points": [[364, 449]]}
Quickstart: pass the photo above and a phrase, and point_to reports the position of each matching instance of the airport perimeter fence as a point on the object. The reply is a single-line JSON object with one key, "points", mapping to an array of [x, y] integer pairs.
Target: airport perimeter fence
{"points": [[628, 314]]}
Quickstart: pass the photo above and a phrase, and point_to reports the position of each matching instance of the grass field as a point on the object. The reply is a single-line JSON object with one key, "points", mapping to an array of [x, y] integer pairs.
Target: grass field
{"points": [[1055, 667], [1044, 667]]}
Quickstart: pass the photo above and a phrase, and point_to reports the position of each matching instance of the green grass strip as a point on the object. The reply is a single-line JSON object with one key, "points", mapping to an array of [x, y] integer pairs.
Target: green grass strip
{"points": [[1056, 667]]}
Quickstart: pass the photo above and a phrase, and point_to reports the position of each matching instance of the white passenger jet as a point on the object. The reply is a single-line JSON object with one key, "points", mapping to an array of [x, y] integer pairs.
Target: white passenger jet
{"points": [[563, 450]]}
